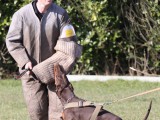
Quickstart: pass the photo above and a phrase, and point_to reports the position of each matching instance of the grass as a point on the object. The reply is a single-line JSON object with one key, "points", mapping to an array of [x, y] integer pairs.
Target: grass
{"points": [[12, 106]]}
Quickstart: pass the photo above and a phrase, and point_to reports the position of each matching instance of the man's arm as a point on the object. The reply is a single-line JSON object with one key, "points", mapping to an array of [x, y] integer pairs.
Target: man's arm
{"points": [[14, 41], [66, 54], [67, 51]]}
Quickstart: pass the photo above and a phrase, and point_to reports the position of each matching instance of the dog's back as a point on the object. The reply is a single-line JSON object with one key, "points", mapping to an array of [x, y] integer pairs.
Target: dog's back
{"points": [[85, 113]]}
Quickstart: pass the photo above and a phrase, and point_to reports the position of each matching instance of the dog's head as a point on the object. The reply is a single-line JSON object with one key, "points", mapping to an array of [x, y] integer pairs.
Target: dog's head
{"points": [[59, 76], [61, 80]]}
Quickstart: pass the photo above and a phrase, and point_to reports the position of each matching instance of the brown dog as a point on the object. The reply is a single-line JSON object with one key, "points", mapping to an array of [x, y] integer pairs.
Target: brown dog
{"points": [[74, 107]]}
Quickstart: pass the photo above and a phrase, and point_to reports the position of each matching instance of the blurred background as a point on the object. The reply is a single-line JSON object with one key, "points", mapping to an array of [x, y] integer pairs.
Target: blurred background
{"points": [[115, 35]]}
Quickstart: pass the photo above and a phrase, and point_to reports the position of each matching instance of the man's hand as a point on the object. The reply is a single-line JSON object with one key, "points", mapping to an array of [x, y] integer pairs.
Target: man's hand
{"points": [[28, 66]]}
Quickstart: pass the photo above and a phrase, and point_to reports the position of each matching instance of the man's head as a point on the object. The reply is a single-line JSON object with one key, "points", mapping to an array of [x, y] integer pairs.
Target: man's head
{"points": [[45, 2]]}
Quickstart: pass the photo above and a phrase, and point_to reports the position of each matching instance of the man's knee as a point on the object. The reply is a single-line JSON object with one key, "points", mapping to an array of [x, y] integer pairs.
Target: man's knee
{"points": [[55, 105], [36, 97], [37, 109]]}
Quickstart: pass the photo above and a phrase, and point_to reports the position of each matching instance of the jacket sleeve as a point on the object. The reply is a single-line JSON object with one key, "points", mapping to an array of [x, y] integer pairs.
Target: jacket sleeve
{"points": [[67, 51], [66, 54], [14, 41]]}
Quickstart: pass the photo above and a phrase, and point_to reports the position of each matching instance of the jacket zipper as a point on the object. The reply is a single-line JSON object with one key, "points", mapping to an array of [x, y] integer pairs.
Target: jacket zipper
{"points": [[40, 40]]}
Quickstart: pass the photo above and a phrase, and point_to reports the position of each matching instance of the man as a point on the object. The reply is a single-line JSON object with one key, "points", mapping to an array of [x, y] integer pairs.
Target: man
{"points": [[40, 35]]}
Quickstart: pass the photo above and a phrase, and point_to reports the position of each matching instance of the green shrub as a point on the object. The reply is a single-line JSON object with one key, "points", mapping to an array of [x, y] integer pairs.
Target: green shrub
{"points": [[115, 35]]}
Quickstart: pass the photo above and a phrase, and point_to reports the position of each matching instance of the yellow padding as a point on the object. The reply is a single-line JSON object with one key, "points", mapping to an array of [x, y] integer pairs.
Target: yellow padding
{"points": [[69, 33]]}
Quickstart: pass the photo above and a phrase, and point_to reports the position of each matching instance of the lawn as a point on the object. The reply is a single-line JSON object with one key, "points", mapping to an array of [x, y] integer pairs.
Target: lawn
{"points": [[12, 106]]}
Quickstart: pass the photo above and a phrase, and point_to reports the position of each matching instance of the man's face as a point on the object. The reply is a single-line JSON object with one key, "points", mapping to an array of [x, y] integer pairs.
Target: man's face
{"points": [[45, 2]]}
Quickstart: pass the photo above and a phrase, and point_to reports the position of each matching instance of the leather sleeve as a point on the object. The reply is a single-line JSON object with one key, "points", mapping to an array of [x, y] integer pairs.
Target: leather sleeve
{"points": [[67, 51], [66, 54]]}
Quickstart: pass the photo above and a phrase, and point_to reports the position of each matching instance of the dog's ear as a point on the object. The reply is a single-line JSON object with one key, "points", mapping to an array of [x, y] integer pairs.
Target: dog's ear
{"points": [[59, 75]]}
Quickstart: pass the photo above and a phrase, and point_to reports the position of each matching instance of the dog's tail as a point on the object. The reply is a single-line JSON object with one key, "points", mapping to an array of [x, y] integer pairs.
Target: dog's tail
{"points": [[149, 109]]}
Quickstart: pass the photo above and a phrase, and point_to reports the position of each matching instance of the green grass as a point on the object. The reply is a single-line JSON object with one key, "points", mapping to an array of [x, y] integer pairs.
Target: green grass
{"points": [[12, 106]]}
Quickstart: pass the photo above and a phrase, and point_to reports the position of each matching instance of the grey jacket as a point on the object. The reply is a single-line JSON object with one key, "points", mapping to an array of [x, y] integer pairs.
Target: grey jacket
{"points": [[29, 39]]}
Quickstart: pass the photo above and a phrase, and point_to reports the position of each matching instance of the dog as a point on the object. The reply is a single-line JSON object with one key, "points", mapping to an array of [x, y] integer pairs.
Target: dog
{"points": [[76, 108]]}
